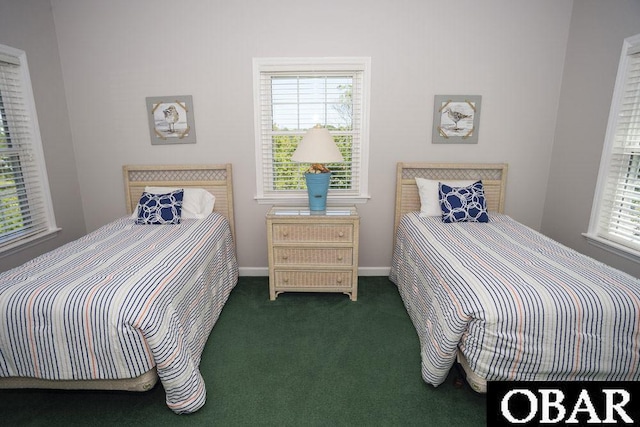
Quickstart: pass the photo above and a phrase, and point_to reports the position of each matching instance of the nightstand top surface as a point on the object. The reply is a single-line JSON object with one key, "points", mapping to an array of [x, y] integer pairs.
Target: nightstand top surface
{"points": [[295, 211]]}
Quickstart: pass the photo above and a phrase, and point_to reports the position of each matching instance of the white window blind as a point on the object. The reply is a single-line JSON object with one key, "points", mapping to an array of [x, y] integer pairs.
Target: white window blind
{"points": [[25, 205], [616, 218], [294, 95]]}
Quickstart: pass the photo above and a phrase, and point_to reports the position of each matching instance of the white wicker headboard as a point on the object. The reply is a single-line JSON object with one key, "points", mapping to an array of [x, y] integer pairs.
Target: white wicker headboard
{"points": [[493, 176], [214, 178]]}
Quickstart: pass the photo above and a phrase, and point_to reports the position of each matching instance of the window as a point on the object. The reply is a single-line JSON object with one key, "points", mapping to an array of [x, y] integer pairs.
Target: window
{"points": [[615, 218], [292, 95], [25, 203]]}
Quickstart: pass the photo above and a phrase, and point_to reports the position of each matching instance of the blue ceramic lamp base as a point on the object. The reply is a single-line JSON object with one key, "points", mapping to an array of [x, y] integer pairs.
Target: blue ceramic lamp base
{"points": [[317, 187]]}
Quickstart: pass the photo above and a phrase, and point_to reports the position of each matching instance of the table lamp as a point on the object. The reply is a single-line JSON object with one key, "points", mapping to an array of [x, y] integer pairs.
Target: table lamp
{"points": [[317, 147]]}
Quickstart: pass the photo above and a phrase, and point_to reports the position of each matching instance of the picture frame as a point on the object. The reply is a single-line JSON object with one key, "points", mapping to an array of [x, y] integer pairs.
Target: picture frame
{"points": [[171, 120], [456, 119]]}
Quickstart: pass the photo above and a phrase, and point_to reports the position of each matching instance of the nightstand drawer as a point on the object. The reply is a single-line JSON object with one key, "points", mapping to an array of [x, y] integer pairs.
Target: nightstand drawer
{"points": [[291, 280], [283, 233], [315, 256]]}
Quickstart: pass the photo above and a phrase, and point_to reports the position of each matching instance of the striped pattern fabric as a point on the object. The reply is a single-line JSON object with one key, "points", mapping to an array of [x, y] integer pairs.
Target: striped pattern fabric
{"points": [[119, 301], [517, 304]]}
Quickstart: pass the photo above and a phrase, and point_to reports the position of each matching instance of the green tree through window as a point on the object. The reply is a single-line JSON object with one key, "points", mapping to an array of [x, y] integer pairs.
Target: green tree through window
{"points": [[327, 101], [11, 216]]}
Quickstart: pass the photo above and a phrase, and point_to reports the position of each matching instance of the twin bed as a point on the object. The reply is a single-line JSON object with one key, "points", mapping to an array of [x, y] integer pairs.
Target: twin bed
{"points": [[127, 304], [503, 300]]}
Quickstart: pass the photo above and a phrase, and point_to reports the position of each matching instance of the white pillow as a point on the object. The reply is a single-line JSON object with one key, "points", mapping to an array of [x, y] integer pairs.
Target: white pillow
{"points": [[196, 204], [430, 194]]}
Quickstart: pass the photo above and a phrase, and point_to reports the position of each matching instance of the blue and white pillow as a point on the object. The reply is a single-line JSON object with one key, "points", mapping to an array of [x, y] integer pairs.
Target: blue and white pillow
{"points": [[463, 204], [160, 208]]}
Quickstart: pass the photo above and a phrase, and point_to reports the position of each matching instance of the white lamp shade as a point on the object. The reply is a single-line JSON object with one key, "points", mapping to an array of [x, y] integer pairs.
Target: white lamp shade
{"points": [[317, 146]]}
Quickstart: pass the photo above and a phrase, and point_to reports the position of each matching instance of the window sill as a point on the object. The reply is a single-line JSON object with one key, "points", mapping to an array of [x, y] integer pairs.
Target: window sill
{"points": [[29, 242], [303, 201], [613, 247]]}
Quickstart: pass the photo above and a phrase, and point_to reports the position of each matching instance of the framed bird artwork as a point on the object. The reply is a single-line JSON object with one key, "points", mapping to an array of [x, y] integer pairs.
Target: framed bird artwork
{"points": [[171, 120], [456, 119]]}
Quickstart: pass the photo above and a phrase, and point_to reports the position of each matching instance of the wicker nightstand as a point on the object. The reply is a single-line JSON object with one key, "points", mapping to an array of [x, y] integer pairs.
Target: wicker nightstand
{"points": [[313, 252]]}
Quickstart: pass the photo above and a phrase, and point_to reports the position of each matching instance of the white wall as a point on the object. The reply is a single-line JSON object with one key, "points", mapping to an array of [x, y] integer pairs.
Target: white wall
{"points": [[597, 32], [115, 53]]}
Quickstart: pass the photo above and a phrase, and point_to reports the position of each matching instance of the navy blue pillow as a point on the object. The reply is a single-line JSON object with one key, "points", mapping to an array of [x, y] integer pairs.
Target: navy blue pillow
{"points": [[463, 204], [160, 208]]}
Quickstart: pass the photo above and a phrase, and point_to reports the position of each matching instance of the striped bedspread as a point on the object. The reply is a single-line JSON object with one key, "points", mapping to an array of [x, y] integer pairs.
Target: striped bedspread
{"points": [[118, 302], [519, 305]]}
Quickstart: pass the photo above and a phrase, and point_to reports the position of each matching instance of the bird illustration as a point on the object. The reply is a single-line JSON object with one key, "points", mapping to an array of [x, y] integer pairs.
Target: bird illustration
{"points": [[456, 116], [171, 116]]}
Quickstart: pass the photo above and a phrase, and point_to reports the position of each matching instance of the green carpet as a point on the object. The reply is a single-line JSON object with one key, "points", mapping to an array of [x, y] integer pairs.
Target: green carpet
{"points": [[305, 359]]}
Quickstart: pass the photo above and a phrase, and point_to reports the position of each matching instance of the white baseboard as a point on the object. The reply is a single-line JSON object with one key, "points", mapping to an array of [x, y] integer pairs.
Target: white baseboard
{"points": [[362, 271], [254, 271], [374, 271]]}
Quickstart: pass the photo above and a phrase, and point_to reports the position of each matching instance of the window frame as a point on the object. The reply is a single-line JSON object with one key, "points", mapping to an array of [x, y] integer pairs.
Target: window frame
{"points": [[41, 193], [594, 235], [306, 65]]}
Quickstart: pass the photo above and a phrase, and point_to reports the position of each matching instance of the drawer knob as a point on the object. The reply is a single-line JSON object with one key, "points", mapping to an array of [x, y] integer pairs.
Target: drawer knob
{"points": [[340, 257], [339, 280], [285, 256], [285, 234], [285, 280], [341, 234]]}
